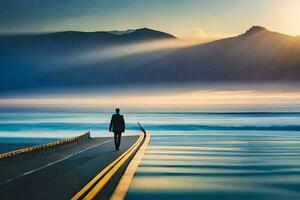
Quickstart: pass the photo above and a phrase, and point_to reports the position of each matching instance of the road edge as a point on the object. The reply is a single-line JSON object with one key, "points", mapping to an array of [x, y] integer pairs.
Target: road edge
{"points": [[27, 150], [126, 180]]}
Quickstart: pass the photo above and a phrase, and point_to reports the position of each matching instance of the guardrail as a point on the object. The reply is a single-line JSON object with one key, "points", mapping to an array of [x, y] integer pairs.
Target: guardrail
{"points": [[44, 146]]}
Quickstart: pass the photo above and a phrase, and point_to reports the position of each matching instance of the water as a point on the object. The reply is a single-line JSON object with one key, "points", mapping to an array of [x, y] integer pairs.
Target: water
{"points": [[191, 155], [221, 156]]}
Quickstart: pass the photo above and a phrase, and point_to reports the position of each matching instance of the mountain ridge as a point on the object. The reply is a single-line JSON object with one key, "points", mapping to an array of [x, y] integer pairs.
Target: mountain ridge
{"points": [[111, 33], [258, 55]]}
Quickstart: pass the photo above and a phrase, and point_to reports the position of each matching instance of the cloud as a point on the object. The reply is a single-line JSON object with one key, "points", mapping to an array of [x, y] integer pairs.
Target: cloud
{"points": [[200, 35]]}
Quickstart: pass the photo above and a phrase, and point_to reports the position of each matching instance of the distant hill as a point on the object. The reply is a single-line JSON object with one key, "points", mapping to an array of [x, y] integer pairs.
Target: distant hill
{"points": [[26, 58], [75, 40], [258, 55]]}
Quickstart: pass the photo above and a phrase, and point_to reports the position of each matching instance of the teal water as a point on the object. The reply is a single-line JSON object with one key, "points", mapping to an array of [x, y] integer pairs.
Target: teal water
{"points": [[191, 155], [221, 156]]}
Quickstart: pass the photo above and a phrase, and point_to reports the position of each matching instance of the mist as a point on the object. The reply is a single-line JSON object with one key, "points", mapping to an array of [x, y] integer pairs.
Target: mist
{"points": [[210, 98], [100, 54]]}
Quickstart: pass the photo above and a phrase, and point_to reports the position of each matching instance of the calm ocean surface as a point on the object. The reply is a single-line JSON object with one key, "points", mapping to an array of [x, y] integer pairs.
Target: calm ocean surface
{"points": [[191, 155]]}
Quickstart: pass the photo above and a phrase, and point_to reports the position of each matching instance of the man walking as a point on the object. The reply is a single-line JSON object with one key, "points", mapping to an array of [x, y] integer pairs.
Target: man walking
{"points": [[117, 125]]}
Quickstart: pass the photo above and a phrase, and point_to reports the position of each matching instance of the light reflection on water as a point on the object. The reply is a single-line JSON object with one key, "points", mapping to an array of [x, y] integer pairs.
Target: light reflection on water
{"points": [[228, 165]]}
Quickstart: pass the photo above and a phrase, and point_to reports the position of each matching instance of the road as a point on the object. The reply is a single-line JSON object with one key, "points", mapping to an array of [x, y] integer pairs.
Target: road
{"points": [[61, 173]]}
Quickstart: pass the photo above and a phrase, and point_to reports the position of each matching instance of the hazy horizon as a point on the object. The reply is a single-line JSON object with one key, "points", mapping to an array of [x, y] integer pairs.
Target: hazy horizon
{"points": [[214, 98]]}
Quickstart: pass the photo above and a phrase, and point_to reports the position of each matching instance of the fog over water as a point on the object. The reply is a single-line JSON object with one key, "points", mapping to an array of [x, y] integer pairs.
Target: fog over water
{"points": [[204, 97]]}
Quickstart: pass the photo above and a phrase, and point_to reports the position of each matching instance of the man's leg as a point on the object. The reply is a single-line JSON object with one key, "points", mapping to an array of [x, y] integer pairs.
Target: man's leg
{"points": [[119, 140], [116, 142]]}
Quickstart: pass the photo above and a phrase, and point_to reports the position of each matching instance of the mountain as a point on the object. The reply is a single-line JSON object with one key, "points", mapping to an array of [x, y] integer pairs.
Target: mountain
{"points": [[75, 40], [147, 34], [143, 34], [26, 58], [255, 30], [258, 55]]}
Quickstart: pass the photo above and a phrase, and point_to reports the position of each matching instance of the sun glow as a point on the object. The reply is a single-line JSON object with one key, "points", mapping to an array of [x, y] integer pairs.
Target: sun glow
{"points": [[287, 16], [194, 100]]}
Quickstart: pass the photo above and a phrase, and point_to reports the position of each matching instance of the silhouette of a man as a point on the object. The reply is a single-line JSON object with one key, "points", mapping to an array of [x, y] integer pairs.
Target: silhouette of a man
{"points": [[117, 125]]}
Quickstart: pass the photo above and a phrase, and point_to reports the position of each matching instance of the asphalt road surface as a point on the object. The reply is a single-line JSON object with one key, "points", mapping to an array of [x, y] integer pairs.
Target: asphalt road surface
{"points": [[62, 172]]}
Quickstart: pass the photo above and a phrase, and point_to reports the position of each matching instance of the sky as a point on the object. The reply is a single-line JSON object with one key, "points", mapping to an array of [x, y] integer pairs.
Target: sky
{"points": [[183, 18]]}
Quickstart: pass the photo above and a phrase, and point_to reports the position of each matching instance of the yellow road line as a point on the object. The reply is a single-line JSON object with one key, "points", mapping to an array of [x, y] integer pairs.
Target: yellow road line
{"points": [[127, 177], [108, 176], [107, 168]]}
